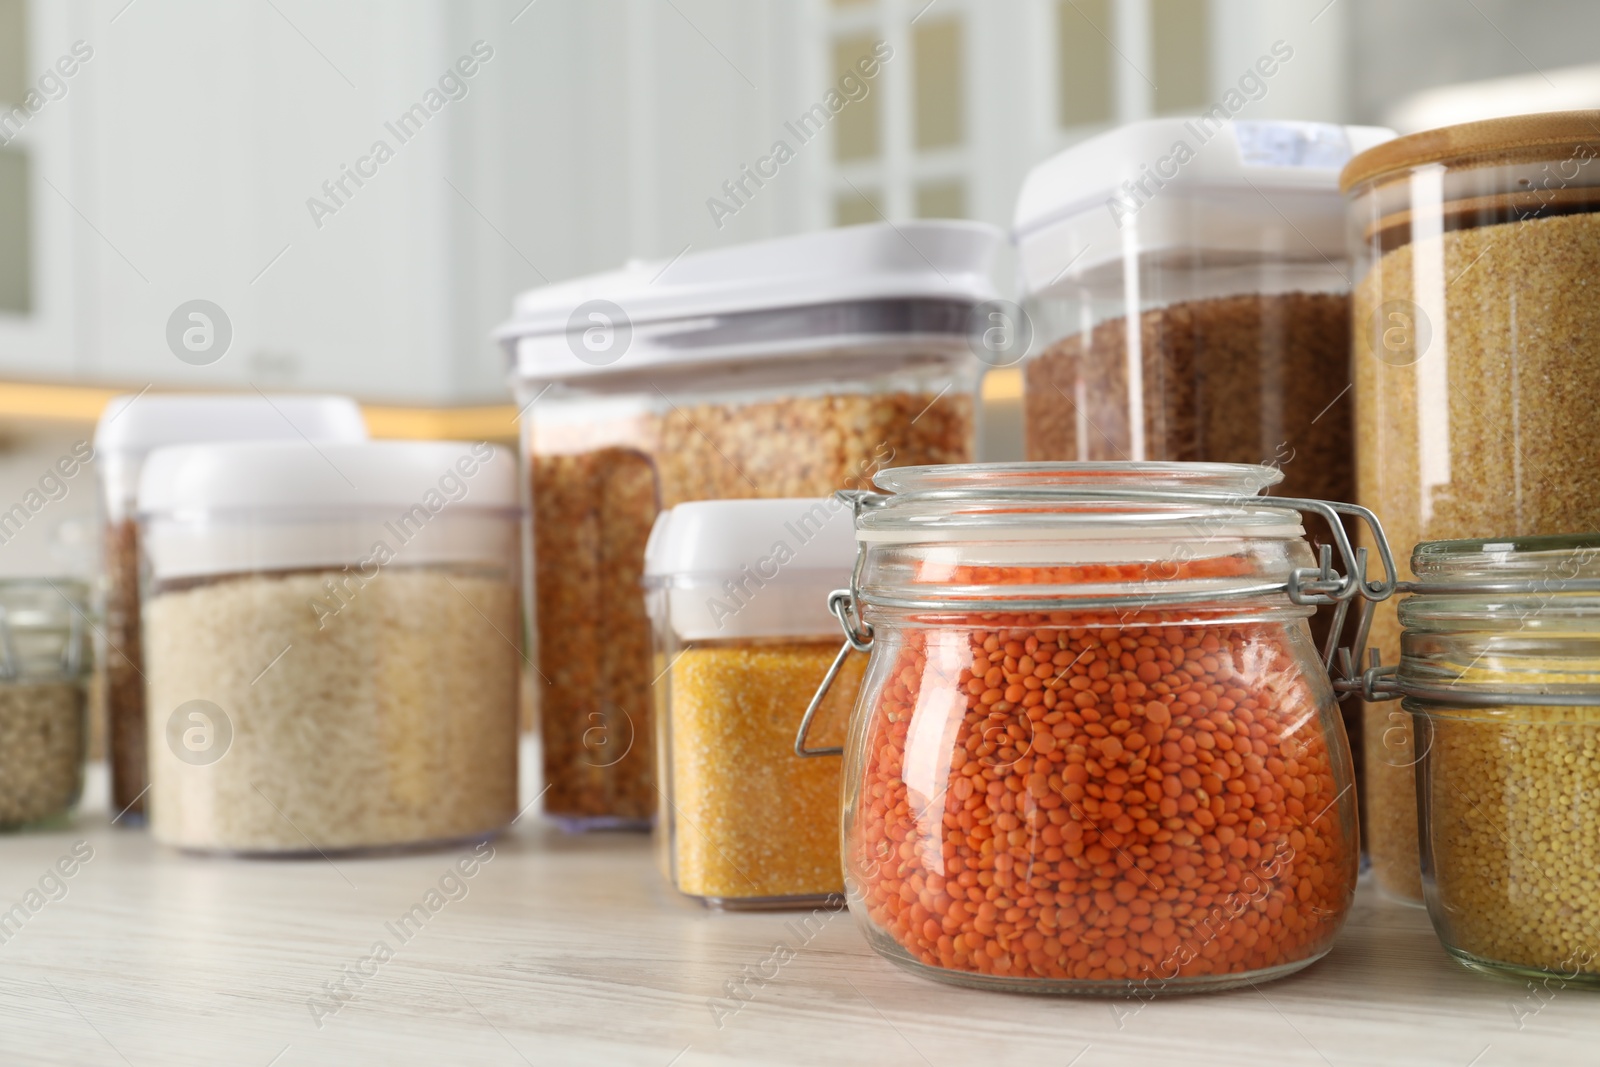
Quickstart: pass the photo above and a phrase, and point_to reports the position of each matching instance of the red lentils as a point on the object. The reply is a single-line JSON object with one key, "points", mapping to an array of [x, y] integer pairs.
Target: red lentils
{"points": [[1079, 797]]}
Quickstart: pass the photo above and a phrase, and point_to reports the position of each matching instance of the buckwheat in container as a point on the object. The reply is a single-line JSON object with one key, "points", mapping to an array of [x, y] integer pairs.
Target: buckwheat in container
{"points": [[1188, 285], [331, 644], [787, 368], [1474, 323], [739, 595], [130, 428]]}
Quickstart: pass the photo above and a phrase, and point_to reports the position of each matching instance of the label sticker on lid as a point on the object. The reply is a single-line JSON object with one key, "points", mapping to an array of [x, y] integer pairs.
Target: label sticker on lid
{"points": [[1314, 145]]}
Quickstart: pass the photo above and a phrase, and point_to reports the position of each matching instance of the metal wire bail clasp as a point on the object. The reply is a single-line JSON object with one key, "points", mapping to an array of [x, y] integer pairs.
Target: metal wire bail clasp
{"points": [[857, 638]]}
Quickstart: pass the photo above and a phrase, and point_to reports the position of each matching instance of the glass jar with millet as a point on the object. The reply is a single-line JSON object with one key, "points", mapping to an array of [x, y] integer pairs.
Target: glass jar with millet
{"points": [[1500, 675]]}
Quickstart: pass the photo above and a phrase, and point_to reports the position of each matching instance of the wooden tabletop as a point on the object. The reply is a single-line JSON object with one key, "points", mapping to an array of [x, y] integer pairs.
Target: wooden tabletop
{"points": [[572, 950]]}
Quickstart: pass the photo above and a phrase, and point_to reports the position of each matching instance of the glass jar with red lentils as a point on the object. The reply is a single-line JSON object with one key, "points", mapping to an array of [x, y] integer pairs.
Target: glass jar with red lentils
{"points": [[1095, 750]]}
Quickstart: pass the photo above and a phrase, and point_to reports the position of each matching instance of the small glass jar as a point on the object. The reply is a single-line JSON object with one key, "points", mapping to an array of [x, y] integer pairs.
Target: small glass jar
{"points": [[130, 428], [1095, 749], [1473, 306], [44, 681], [783, 368], [739, 594], [1500, 670], [331, 644]]}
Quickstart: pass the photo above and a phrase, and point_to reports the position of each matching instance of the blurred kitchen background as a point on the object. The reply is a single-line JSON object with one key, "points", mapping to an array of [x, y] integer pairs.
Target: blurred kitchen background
{"points": [[161, 151]]}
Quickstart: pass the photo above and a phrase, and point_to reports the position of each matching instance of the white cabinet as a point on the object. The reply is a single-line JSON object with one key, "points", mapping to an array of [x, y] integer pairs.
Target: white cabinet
{"points": [[187, 159], [189, 162]]}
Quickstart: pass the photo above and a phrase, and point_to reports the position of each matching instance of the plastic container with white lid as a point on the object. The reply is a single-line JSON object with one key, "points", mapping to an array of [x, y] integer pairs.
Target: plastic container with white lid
{"points": [[332, 653], [785, 368], [739, 596], [1188, 285], [130, 428]]}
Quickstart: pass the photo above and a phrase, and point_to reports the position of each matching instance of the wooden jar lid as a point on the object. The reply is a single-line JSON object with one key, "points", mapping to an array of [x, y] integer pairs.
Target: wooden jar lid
{"points": [[1520, 138]]}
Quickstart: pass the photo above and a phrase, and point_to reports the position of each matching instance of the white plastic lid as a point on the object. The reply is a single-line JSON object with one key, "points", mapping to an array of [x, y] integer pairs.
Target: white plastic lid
{"points": [[235, 507], [750, 568], [1076, 217], [929, 260], [139, 423]]}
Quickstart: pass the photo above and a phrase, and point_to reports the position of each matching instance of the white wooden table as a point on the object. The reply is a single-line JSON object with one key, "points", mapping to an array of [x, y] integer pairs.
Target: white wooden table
{"points": [[573, 950]]}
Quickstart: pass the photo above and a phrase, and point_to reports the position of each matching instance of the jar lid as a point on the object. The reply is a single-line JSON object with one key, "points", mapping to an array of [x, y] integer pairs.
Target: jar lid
{"points": [[1175, 185], [136, 424], [1502, 623], [43, 625], [1500, 581], [234, 507], [709, 540], [750, 568], [861, 287], [1124, 536], [337, 475], [1516, 139], [1151, 505]]}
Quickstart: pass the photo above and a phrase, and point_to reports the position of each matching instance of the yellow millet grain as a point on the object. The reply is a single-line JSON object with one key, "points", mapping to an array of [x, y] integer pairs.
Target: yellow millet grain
{"points": [[1514, 454], [750, 819], [1513, 814]]}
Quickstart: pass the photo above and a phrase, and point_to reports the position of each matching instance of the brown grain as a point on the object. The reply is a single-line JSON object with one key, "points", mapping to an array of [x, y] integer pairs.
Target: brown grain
{"points": [[1239, 379], [595, 498], [124, 672]]}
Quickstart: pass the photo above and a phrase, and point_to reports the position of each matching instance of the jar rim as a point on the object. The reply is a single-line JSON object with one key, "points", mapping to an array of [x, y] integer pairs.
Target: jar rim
{"points": [[1545, 581], [1242, 478], [1123, 502], [1081, 536], [1544, 555], [1502, 622]]}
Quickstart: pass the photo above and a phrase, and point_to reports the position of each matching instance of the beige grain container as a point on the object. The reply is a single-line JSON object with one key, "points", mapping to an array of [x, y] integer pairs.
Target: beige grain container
{"points": [[332, 645], [1476, 337], [130, 429], [786, 368]]}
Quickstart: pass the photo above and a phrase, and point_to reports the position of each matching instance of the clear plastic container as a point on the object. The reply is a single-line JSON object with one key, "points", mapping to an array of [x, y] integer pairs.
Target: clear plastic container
{"points": [[1500, 671], [332, 644], [1476, 248], [1188, 287], [739, 596], [787, 368], [44, 684], [1095, 749], [129, 429]]}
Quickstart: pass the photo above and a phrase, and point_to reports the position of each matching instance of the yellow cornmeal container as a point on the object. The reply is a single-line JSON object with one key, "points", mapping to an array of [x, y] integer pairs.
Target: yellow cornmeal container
{"points": [[738, 592], [1500, 670]]}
